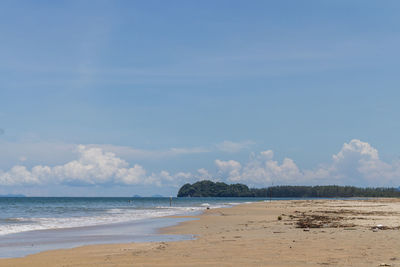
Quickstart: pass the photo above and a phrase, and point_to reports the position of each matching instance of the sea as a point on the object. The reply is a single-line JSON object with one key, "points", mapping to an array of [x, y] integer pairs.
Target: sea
{"points": [[32, 224]]}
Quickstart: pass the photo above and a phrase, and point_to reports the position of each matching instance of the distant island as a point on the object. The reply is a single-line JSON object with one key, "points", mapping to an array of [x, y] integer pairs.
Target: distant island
{"points": [[208, 188]]}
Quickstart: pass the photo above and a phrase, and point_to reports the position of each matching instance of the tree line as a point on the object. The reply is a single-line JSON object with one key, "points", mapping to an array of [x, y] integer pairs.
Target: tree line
{"points": [[208, 188]]}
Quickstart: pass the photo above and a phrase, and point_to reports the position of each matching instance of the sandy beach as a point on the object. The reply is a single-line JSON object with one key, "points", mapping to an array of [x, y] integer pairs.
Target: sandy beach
{"points": [[279, 233]]}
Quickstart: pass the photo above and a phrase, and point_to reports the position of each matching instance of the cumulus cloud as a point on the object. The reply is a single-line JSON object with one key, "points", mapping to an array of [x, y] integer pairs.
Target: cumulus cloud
{"points": [[260, 170], [357, 163], [18, 175], [231, 167], [56, 153], [93, 166], [203, 174]]}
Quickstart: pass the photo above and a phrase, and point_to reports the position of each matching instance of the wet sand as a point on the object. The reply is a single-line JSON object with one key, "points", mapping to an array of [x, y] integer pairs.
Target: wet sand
{"points": [[281, 233]]}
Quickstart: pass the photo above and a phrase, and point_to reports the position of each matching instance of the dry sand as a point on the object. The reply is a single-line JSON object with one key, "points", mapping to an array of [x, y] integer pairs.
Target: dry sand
{"points": [[341, 233]]}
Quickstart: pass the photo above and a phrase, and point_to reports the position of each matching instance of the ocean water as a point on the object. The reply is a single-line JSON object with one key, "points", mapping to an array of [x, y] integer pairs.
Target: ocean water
{"points": [[32, 224], [39, 213]]}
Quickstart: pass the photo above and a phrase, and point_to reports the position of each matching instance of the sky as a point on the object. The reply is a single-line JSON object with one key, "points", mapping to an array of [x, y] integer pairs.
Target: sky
{"points": [[117, 98]]}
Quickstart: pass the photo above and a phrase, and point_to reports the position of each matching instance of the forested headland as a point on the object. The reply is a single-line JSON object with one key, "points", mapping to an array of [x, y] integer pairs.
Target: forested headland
{"points": [[208, 188]]}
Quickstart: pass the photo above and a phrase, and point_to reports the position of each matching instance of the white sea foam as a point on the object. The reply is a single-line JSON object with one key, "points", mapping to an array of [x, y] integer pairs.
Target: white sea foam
{"points": [[40, 214], [109, 217]]}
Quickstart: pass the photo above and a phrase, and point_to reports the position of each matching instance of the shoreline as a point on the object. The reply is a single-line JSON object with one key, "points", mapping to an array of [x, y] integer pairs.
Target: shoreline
{"points": [[33, 241], [27, 243], [336, 233]]}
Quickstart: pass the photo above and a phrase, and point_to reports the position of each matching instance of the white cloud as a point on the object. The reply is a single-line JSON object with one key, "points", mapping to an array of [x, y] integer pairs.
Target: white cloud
{"points": [[204, 174], [233, 147], [135, 175], [268, 154], [357, 163], [164, 177], [18, 175], [93, 166], [52, 153], [360, 161], [261, 170], [231, 167]]}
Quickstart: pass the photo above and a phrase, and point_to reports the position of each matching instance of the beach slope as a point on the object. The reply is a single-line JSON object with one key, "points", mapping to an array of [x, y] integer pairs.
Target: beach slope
{"points": [[279, 233]]}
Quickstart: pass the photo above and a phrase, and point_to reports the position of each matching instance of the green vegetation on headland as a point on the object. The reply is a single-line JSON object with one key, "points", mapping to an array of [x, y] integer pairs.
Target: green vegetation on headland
{"points": [[210, 189]]}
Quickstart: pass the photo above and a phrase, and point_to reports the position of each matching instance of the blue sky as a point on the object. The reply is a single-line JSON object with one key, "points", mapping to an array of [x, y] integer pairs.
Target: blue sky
{"points": [[174, 87]]}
